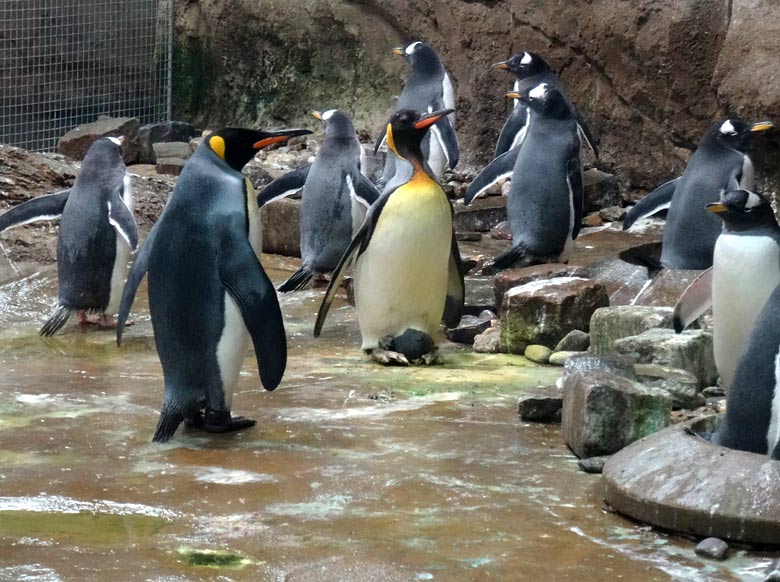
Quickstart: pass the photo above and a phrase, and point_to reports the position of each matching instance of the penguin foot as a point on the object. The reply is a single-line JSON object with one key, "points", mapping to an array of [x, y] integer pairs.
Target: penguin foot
{"points": [[86, 318], [219, 421], [430, 359], [388, 357]]}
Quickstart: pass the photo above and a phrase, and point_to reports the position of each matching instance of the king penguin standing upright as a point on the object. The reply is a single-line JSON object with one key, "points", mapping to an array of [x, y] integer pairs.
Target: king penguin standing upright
{"points": [[208, 293], [407, 270], [427, 89]]}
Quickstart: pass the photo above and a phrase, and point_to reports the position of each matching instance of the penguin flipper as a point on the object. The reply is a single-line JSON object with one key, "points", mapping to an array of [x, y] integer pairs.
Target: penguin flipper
{"points": [[121, 218], [297, 281], [380, 139], [500, 168], [363, 190], [514, 124], [47, 207], [134, 278], [456, 289], [244, 278], [283, 186], [574, 182], [694, 301], [585, 133], [656, 201]]}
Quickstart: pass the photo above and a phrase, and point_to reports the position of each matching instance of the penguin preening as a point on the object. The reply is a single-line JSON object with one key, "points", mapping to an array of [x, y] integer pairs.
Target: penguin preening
{"points": [[531, 70], [745, 272], [407, 270], [334, 202], [427, 89], [545, 200], [719, 163], [96, 237], [208, 292]]}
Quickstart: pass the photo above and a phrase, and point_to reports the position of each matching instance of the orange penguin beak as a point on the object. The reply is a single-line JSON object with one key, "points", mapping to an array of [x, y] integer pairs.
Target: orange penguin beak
{"points": [[431, 118]]}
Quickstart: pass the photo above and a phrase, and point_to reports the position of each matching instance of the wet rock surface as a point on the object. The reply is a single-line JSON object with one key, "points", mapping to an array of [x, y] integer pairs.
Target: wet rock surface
{"points": [[541, 405], [712, 548], [680, 385], [574, 341], [593, 465], [613, 323], [470, 326], [509, 278]]}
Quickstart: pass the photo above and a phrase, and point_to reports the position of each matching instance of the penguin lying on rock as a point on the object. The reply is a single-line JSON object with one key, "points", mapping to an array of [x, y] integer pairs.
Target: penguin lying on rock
{"points": [[407, 268], [208, 292], [97, 235], [334, 202], [719, 163]]}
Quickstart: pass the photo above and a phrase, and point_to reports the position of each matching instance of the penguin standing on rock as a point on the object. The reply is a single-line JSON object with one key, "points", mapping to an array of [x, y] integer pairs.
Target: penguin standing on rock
{"points": [[97, 235], [544, 205], [720, 163], [208, 292], [334, 202], [428, 89], [407, 269]]}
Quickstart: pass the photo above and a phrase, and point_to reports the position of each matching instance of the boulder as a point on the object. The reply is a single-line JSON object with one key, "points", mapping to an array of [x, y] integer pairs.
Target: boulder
{"points": [[479, 216], [509, 278], [712, 548], [543, 312], [281, 233], [479, 295], [680, 385], [537, 354], [592, 464], [77, 141], [574, 341], [691, 350], [541, 404], [488, 342], [469, 327], [172, 149], [166, 131], [613, 323], [601, 189], [603, 412], [560, 358]]}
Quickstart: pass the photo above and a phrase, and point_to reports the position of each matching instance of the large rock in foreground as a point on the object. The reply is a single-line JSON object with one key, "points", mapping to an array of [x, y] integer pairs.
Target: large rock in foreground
{"points": [[543, 312], [509, 278], [76, 142], [281, 230]]}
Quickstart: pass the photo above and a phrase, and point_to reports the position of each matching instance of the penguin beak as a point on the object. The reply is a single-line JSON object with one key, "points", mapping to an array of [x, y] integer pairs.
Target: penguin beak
{"points": [[716, 208], [399, 50], [762, 126], [502, 65], [429, 119], [317, 115], [273, 137], [514, 95]]}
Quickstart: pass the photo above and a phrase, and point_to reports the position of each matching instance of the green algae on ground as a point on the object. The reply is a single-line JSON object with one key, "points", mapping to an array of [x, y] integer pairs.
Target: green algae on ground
{"points": [[215, 558]]}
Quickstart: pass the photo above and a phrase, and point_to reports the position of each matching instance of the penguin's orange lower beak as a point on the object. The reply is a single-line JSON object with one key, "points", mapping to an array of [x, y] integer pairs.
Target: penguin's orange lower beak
{"points": [[762, 126], [716, 208], [399, 51], [502, 65], [264, 143], [431, 118]]}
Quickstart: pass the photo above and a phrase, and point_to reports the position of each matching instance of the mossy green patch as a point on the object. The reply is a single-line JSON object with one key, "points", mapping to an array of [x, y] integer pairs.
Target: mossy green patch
{"points": [[214, 558]]}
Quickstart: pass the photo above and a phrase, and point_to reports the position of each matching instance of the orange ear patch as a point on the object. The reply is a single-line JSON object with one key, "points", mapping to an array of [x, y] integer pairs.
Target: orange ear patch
{"points": [[217, 145]]}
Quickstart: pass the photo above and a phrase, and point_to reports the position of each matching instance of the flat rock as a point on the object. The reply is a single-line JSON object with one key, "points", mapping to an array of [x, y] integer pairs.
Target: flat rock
{"points": [[488, 342], [479, 294], [681, 386], [479, 216], [172, 149], [281, 233], [666, 287], [77, 141], [537, 354], [170, 166], [509, 278], [541, 405], [613, 323], [469, 327], [543, 312], [603, 412], [574, 341], [712, 548]]}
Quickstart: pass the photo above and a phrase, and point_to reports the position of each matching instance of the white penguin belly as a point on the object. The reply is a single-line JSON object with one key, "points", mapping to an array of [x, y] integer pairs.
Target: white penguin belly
{"points": [[437, 157], [401, 278], [118, 275], [746, 270], [255, 234], [231, 349]]}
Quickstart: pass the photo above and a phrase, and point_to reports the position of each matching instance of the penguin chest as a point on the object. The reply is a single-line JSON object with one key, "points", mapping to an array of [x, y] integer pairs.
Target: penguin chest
{"points": [[746, 271], [401, 277]]}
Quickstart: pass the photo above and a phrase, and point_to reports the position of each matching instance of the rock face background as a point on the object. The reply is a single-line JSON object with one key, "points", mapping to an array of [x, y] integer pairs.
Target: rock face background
{"points": [[649, 76]]}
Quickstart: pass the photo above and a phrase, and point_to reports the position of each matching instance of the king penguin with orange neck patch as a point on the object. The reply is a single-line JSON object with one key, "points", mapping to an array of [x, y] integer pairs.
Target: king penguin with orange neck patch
{"points": [[208, 292], [407, 270]]}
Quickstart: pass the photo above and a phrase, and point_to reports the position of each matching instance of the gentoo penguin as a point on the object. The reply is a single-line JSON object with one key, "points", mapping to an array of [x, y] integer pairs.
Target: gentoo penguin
{"points": [[530, 70], [407, 269], [427, 89], [720, 163], [208, 293], [544, 205], [97, 235], [745, 272], [752, 420], [334, 202]]}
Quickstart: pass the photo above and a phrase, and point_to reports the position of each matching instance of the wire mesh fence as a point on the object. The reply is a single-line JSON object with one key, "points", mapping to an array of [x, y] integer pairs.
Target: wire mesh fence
{"points": [[66, 62]]}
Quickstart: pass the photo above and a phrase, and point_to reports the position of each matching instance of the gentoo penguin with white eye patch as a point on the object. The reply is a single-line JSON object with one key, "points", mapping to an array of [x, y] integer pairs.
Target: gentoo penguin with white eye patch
{"points": [[531, 70], [745, 272], [407, 270], [719, 163], [334, 202], [544, 204], [427, 89], [97, 235], [208, 292]]}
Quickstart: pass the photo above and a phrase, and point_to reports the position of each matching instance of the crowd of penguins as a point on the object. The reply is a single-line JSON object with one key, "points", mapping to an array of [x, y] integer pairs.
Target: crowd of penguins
{"points": [[209, 295]]}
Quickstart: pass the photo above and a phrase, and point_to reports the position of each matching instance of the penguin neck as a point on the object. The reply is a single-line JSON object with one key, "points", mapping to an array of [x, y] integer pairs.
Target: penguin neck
{"points": [[414, 156]]}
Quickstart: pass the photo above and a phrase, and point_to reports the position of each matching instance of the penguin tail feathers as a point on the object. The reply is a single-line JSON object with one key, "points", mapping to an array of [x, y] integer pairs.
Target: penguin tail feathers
{"points": [[167, 425], [297, 281], [511, 258], [59, 318]]}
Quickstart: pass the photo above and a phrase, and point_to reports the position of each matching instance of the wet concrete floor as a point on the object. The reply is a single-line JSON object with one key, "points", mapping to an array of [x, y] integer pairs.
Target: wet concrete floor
{"points": [[354, 472]]}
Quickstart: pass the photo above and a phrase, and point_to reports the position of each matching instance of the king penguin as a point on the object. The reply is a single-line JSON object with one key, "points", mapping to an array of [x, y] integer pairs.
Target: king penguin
{"points": [[544, 204], [427, 89], [334, 202], [531, 70], [719, 163], [745, 272], [407, 270], [208, 292], [97, 235]]}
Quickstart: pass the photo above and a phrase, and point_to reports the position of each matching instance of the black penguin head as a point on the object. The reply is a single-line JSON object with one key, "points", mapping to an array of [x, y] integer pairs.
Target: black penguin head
{"points": [[337, 124], [545, 99], [743, 210], [421, 57], [406, 130], [524, 65], [237, 145], [735, 133]]}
